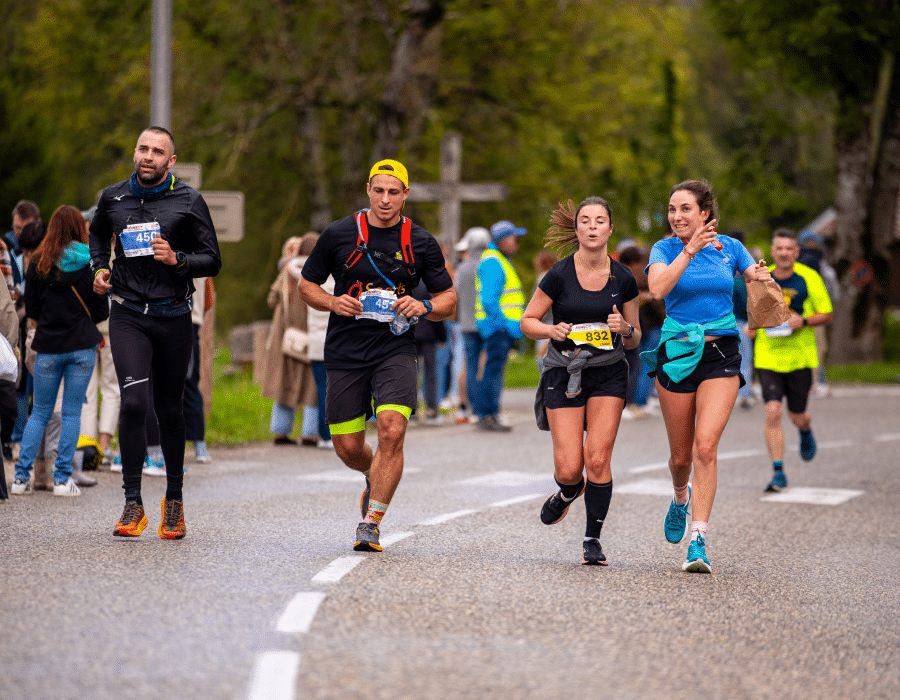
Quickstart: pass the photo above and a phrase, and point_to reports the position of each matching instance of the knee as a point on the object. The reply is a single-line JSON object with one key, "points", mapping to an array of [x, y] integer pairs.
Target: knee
{"points": [[705, 452], [348, 448], [391, 433], [132, 408], [597, 458], [773, 414]]}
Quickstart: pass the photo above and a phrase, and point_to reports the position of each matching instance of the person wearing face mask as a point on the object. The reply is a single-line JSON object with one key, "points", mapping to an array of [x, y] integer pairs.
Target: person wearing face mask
{"points": [[697, 364], [581, 394]]}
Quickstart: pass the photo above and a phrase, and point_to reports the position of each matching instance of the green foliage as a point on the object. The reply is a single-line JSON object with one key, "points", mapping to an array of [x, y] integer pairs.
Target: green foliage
{"points": [[239, 413]]}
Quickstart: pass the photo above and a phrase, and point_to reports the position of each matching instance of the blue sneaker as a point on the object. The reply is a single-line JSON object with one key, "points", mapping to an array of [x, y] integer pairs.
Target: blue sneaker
{"points": [[778, 482], [807, 446], [116, 465], [696, 562], [676, 520], [152, 468]]}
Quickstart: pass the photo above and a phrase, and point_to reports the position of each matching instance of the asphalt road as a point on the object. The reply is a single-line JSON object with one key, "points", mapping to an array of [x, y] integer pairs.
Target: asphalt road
{"points": [[472, 597]]}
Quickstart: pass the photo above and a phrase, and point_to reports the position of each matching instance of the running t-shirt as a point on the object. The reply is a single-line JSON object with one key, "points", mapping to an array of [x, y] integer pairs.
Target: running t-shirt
{"points": [[783, 350], [574, 304], [703, 292], [352, 343]]}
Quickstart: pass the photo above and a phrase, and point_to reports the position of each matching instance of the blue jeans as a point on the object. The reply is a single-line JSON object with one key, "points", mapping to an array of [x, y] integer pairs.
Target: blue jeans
{"points": [[320, 375], [282, 421], [644, 383], [73, 370], [746, 350], [472, 344], [489, 387]]}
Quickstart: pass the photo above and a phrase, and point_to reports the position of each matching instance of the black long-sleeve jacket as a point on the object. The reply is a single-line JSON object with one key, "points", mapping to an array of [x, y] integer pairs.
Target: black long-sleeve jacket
{"points": [[184, 222]]}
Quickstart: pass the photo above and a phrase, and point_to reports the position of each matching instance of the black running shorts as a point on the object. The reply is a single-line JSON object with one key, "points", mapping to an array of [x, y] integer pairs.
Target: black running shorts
{"points": [[355, 395], [721, 358], [607, 380], [793, 385]]}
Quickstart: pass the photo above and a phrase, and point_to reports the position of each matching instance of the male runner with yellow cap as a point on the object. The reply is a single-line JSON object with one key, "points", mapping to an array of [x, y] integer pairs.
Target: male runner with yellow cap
{"points": [[377, 256]]}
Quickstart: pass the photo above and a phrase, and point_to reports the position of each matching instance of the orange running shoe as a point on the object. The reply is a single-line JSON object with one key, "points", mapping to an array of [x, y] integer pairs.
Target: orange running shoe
{"points": [[172, 526], [132, 522]]}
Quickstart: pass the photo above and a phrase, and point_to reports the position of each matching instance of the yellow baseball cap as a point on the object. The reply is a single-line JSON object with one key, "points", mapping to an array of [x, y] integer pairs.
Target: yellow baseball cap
{"points": [[394, 168]]}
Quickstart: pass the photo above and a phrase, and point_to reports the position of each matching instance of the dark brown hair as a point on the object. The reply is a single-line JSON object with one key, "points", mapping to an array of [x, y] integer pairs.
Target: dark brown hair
{"points": [[703, 193], [562, 234], [162, 130], [66, 226], [784, 233]]}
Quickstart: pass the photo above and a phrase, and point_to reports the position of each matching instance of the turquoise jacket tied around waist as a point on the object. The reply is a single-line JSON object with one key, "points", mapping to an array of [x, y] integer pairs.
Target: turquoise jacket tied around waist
{"points": [[685, 352]]}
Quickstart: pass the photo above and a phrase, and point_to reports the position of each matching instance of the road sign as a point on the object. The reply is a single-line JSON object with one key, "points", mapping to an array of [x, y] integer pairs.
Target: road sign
{"points": [[189, 173], [227, 211]]}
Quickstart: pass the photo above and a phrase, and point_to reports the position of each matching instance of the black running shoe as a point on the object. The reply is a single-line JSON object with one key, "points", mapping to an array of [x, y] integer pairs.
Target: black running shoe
{"points": [[555, 508], [593, 554], [367, 538], [364, 500]]}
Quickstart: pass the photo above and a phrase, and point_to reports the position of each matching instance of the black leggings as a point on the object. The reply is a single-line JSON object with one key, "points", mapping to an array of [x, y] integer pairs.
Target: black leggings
{"points": [[140, 343]]}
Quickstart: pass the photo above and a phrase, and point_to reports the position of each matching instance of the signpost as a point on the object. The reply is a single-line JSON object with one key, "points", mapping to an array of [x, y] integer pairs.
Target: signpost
{"points": [[450, 193]]}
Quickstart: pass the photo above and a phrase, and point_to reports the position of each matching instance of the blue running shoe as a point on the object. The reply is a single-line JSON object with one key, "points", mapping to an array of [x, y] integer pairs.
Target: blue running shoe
{"points": [[778, 482], [807, 446], [696, 562], [676, 520]]}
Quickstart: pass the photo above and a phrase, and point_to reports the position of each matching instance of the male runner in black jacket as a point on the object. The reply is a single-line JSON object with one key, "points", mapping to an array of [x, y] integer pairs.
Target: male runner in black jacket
{"points": [[164, 237]]}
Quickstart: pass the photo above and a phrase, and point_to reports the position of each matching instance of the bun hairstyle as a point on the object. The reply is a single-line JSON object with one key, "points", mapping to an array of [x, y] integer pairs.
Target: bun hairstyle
{"points": [[562, 234], [703, 194]]}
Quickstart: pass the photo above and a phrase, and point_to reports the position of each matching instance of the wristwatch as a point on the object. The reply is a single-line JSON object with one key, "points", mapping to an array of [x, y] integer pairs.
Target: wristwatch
{"points": [[428, 307], [805, 321], [630, 333], [179, 258]]}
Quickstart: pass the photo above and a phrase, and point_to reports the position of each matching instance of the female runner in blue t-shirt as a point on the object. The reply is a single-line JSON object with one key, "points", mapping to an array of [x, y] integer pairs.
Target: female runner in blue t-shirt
{"points": [[586, 292], [697, 364]]}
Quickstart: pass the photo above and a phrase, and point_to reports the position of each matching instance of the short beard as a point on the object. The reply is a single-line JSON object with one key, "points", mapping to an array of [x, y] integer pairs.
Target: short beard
{"points": [[155, 180]]}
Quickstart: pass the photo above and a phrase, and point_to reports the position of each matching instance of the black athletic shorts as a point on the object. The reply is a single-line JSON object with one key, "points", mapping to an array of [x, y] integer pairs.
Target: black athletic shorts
{"points": [[355, 395], [793, 385], [607, 380], [721, 358]]}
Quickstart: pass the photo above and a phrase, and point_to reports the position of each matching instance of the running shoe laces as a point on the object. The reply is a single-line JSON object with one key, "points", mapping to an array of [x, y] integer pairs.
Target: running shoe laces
{"points": [[132, 522], [367, 536], [676, 520], [556, 507], [696, 561], [172, 526]]}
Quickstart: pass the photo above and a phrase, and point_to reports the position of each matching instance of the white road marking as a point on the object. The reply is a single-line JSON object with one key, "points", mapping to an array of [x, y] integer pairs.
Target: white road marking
{"points": [[887, 438], [336, 570], [517, 499], [647, 487], [299, 614], [345, 475], [814, 496], [648, 468], [395, 537], [504, 479], [274, 676], [447, 516], [834, 444]]}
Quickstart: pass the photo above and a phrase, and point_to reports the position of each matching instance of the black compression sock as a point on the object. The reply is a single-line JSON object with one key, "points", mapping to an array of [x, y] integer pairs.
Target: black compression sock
{"points": [[570, 491], [596, 505]]}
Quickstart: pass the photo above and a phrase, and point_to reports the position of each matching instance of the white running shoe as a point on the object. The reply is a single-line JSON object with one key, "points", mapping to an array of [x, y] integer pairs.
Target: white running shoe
{"points": [[70, 488], [21, 488]]}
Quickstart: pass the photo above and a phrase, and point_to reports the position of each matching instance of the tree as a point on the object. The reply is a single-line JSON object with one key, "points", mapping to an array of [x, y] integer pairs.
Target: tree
{"points": [[838, 46]]}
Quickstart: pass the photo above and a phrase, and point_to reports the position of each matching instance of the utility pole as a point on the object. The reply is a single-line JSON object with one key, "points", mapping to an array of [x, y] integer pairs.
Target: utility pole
{"points": [[161, 68]]}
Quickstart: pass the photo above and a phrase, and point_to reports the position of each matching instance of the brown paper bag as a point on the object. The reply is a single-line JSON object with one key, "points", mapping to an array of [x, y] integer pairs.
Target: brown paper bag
{"points": [[766, 307]]}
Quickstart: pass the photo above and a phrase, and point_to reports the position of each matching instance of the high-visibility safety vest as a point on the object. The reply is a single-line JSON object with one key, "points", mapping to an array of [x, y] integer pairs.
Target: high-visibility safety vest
{"points": [[512, 300]]}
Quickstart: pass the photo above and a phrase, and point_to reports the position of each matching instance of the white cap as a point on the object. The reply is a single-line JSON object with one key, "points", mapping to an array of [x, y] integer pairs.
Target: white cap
{"points": [[475, 237]]}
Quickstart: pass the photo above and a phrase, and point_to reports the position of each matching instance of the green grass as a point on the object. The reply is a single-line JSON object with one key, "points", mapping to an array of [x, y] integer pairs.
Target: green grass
{"points": [[239, 412], [521, 371], [874, 373]]}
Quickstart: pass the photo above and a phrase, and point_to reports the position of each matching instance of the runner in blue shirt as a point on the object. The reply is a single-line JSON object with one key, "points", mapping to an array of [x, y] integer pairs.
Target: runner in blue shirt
{"points": [[697, 363]]}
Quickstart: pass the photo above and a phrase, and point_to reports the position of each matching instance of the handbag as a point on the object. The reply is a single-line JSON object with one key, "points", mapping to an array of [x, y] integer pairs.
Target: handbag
{"points": [[9, 363], [294, 342], [766, 307]]}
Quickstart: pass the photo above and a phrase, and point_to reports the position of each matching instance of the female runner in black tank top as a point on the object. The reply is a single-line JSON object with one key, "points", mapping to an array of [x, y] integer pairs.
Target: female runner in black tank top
{"points": [[589, 288]]}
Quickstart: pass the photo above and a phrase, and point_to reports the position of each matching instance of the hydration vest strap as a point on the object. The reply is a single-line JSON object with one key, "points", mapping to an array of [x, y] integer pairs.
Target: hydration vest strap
{"points": [[362, 241]]}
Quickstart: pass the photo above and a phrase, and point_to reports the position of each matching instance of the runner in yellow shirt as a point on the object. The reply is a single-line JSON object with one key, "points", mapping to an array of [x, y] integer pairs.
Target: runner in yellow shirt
{"points": [[785, 357]]}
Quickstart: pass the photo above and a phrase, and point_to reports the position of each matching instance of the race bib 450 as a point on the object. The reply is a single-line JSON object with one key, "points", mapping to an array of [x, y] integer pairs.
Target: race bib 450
{"points": [[136, 238]]}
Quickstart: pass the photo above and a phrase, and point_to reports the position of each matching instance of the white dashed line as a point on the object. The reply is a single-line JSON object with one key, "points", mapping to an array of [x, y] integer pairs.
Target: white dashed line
{"points": [[447, 516], [274, 676], [647, 487], [887, 438], [648, 468], [835, 444], [336, 570], [517, 499], [299, 614], [395, 537], [814, 496], [739, 454], [504, 479]]}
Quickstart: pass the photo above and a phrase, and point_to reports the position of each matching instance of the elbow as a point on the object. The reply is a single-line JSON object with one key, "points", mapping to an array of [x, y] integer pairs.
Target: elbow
{"points": [[656, 293]]}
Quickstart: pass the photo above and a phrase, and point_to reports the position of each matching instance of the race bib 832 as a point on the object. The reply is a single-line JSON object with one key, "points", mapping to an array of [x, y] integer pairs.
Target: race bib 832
{"points": [[596, 334]]}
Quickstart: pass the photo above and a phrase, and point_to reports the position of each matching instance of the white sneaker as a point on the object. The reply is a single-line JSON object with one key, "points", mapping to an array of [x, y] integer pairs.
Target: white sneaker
{"points": [[153, 471], [70, 488], [21, 488], [326, 445], [202, 454]]}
